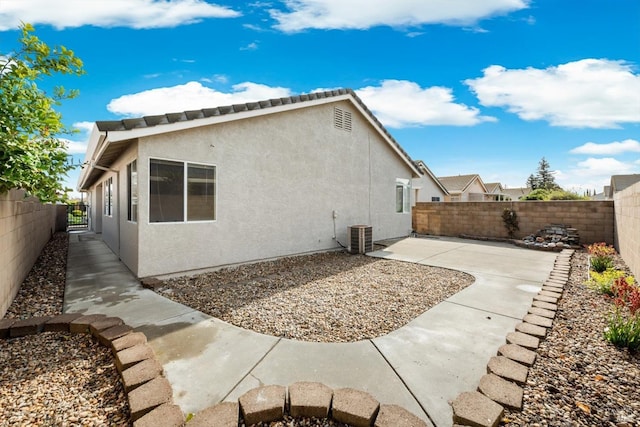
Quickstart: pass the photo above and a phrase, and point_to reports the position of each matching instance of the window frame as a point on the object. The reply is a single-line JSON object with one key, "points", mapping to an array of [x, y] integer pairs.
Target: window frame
{"points": [[403, 206], [132, 191], [185, 190], [107, 188]]}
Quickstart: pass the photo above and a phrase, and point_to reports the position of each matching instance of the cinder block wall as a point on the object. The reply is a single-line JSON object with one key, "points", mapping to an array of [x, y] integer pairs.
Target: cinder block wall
{"points": [[593, 219], [26, 225], [627, 226]]}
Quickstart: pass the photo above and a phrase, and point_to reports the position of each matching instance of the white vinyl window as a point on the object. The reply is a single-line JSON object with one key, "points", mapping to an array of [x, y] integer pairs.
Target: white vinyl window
{"points": [[403, 198], [132, 191], [108, 197], [181, 191]]}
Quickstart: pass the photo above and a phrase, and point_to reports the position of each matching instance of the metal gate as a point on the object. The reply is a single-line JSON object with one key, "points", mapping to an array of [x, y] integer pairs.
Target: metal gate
{"points": [[77, 216]]}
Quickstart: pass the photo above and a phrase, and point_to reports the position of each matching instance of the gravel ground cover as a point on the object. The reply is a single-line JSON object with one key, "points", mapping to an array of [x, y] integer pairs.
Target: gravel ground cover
{"points": [[56, 379], [579, 379], [327, 297]]}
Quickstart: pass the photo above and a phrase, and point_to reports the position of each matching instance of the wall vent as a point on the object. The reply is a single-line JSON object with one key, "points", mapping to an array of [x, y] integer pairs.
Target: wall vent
{"points": [[360, 239], [342, 119]]}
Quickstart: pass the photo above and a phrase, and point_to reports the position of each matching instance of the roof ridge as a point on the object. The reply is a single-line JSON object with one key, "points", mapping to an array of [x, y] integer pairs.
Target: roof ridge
{"points": [[181, 116], [168, 118]]}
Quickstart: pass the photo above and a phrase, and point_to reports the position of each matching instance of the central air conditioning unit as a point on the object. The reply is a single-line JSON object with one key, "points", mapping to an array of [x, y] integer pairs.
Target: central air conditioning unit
{"points": [[360, 239]]}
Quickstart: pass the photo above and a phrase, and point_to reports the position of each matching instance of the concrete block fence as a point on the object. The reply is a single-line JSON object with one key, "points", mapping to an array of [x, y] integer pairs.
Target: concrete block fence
{"points": [[150, 394], [627, 226], [594, 220], [502, 386], [26, 225]]}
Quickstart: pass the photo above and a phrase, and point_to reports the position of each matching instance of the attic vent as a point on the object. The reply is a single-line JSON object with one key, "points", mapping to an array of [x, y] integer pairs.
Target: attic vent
{"points": [[342, 119]]}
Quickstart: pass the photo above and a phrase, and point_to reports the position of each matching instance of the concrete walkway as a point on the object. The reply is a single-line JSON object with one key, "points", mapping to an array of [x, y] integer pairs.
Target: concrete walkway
{"points": [[422, 366]]}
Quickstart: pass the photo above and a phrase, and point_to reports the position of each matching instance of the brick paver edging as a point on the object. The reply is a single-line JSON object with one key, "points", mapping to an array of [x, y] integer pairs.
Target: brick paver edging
{"points": [[507, 372], [150, 394]]}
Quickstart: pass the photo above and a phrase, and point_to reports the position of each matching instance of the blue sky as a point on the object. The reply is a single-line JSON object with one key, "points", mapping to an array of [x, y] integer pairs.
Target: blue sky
{"points": [[468, 86]]}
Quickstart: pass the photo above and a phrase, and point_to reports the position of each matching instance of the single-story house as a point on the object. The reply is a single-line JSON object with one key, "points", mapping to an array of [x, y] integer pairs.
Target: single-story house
{"points": [[465, 188], [198, 189], [517, 193], [620, 182], [427, 188], [496, 191]]}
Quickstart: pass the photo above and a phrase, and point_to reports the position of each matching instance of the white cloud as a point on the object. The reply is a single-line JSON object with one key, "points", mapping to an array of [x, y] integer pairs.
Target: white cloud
{"points": [[190, 96], [363, 14], [80, 146], [250, 46], [401, 103], [606, 166], [75, 147], [590, 93], [112, 13], [612, 148]]}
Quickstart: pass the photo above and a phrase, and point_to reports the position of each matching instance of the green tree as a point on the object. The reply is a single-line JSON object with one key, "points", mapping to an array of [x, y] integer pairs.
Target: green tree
{"points": [[532, 182], [543, 179], [545, 176], [32, 155]]}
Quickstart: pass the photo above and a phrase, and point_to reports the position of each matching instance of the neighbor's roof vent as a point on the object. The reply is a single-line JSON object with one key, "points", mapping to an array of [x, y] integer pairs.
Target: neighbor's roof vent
{"points": [[342, 119]]}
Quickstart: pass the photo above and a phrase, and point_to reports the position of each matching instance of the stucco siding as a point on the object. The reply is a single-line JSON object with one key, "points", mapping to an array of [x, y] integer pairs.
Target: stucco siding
{"points": [[279, 179], [426, 189]]}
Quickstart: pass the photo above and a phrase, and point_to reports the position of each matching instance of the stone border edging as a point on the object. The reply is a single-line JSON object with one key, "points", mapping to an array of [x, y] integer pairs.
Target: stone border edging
{"points": [[507, 372], [150, 395]]}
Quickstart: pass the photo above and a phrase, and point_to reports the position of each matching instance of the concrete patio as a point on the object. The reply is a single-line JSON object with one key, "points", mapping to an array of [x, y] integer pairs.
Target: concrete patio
{"points": [[421, 366]]}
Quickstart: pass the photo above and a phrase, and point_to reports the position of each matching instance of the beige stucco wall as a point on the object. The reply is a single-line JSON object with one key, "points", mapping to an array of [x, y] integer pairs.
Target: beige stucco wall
{"points": [[425, 188], [627, 226], [26, 225], [280, 177], [593, 219]]}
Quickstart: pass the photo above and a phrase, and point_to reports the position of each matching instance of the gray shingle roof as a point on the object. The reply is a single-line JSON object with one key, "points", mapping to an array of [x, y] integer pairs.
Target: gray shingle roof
{"points": [[620, 182], [157, 120], [115, 147], [457, 183]]}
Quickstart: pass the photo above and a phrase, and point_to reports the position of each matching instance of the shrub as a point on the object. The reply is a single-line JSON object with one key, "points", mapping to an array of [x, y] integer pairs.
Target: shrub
{"points": [[76, 212], [510, 218], [538, 194], [602, 282], [624, 323], [601, 256], [600, 264], [623, 330], [565, 195], [601, 249]]}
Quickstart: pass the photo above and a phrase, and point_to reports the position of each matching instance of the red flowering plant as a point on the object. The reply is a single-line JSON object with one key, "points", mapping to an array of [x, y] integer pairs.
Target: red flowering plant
{"points": [[624, 322], [601, 256]]}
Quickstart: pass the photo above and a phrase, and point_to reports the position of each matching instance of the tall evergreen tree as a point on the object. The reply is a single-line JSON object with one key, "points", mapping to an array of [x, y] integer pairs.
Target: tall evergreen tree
{"points": [[545, 176]]}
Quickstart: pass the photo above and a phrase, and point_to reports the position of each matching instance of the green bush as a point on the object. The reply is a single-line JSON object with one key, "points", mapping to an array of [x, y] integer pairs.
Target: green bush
{"points": [[565, 195], [623, 330], [559, 194], [539, 194], [600, 264], [602, 282], [76, 212]]}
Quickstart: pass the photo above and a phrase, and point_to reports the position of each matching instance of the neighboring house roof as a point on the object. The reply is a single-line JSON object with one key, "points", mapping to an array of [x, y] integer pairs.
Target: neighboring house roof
{"points": [[620, 182], [424, 170], [516, 193], [459, 183], [110, 138], [494, 187]]}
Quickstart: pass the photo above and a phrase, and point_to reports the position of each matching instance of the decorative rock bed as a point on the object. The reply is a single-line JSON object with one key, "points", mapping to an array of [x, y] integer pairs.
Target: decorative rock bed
{"points": [[553, 237], [150, 394], [508, 371]]}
